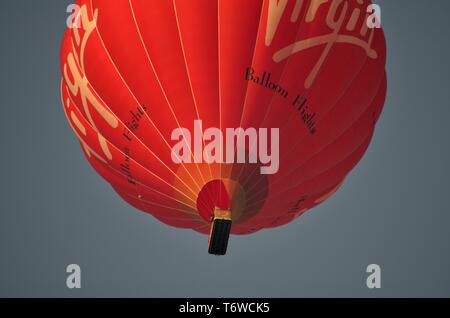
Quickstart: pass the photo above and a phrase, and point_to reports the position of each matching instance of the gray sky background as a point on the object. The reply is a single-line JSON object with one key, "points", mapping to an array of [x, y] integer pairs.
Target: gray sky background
{"points": [[392, 210]]}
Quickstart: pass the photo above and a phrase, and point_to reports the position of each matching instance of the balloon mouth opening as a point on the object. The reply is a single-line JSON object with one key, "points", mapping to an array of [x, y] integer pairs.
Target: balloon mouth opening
{"points": [[221, 194], [215, 205]]}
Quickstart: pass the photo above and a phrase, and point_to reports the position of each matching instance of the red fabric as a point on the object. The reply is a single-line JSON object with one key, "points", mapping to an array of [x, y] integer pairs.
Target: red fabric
{"points": [[147, 67]]}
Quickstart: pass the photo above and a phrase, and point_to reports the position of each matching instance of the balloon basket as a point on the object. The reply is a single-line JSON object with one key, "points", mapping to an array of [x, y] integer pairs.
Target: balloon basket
{"points": [[220, 232]]}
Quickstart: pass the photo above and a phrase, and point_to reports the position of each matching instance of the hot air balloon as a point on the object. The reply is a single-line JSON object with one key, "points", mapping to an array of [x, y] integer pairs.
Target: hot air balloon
{"points": [[223, 116]]}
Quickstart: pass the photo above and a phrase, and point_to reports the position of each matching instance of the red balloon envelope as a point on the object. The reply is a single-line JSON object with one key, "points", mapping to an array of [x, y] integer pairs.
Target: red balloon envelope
{"points": [[210, 113]]}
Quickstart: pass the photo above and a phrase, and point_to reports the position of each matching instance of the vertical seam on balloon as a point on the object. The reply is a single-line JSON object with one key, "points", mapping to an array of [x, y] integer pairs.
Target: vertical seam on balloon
{"points": [[248, 84], [117, 148], [253, 58], [162, 89], [131, 93], [137, 138], [190, 85], [273, 94], [220, 89], [188, 75]]}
